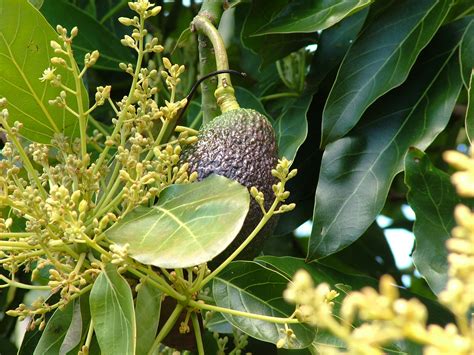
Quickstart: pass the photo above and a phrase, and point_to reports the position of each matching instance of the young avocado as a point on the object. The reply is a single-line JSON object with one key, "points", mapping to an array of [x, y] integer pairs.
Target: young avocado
{"points": [[240, 145]]}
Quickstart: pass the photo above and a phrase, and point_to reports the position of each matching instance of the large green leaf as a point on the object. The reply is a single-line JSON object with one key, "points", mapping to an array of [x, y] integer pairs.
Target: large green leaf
{"points": [[469, 121], [56, 330], [63, 331], [111, 51], [204, 216], [357, 170], [380, 60], [466, 53], [433, 198], [147, 311], [291, 126], [112, 312], [311, 16], [270, 47], [24, 54], [333, 45], [250, 287]]}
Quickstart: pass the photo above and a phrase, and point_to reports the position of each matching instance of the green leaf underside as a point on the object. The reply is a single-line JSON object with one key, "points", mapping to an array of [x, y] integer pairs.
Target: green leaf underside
{"points": [[470, 109], [205, 217], [250, 287], [148, 313], [112, 312], [291, 127], [433, 198], [24, 54], [111, 51], [311, 16], [357, 170], [379, 60], [55, 331]]}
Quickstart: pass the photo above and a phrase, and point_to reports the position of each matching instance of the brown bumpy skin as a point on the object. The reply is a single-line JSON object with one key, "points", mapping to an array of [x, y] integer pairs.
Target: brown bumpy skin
{"points": [[240, 145]]}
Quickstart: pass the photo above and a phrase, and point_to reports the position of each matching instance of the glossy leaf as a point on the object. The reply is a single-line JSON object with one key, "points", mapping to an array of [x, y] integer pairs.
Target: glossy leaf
{"points": [[466, 53], [55, 332], [204, 216], [288, 266], [112, 53], [247, 99], [311, 16], [469, 121], [357, 170], [291, 127], [24, 54], [147, 311], [433, 198], [270, 47], [250, 287], [333, 45], [112, 312], [380, 60]]}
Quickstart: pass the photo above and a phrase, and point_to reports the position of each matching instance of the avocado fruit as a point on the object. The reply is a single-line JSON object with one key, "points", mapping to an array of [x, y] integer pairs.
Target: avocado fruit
{"points": [[239, 144]]}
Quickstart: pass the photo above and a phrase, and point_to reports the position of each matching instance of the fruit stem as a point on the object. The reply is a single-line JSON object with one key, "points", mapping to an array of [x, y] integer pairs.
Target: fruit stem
{"points": [[225, 92], [211, 9]]}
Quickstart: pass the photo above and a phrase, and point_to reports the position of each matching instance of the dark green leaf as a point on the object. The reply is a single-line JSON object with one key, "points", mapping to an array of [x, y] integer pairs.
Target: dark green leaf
{"points": [[112, 312], [291, 127], [270, 47], [248, 100], [204, 216], [380, 60], [250, 287], [24, 54], [333, 45], [74, 333], [470, 109], [311, 16], [55, 331], [466, 53], [92, 35], [433, 198], [357, 170], [148, 314]]}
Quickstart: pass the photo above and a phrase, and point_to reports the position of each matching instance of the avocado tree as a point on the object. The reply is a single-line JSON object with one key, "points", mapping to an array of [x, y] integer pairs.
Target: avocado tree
{"points": [[161, 161]]}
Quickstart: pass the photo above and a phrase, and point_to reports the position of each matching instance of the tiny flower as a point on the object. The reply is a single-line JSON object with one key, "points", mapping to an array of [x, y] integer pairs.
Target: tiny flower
{"points": [[48, 75]]}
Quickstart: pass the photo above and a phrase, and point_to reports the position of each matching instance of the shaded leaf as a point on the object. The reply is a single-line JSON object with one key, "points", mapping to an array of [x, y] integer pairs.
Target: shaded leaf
{"points": [[112, 53], [333, 45], [147, 311], [55, 332], [466, 53], [250, 287], [74, 333], [469, 121], [291, 127], [379, 60], [311, 16], [247, 99], [24, 54], [270, 47], [112, 312], [204, 216], [433, 198], [357, 170]]}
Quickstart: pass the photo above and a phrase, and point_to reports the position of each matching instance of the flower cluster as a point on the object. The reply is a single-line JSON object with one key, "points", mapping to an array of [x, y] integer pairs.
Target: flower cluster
{"points": [[68, 192], [368, 319]]}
